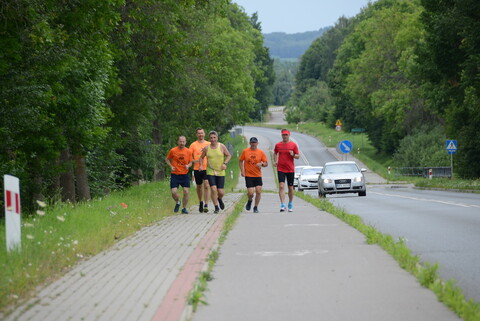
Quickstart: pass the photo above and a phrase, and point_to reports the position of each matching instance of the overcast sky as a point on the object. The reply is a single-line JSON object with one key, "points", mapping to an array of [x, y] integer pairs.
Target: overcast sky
{"points": [[300, 15]]}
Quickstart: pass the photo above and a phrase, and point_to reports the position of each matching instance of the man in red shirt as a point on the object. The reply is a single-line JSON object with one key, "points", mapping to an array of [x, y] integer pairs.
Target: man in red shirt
{"points": [[251, 162], [285, 153], [180, 160]]}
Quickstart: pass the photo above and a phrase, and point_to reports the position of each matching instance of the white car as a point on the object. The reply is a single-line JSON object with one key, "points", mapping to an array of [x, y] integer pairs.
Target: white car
{"points": [[298, 169], [308, 178], [341, 177]]}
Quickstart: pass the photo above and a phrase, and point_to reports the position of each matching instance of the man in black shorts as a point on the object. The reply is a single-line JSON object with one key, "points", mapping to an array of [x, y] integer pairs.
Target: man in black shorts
{"points": [[251, 162]]}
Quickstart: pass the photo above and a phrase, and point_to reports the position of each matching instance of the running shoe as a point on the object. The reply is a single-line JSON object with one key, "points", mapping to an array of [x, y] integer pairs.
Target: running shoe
{"points": [[184, 211], [177, 207], [217, 209], [282, 208], [200, 207], [249, 205], [290, 206], [205, 209], [220, 202], [255, 209]]}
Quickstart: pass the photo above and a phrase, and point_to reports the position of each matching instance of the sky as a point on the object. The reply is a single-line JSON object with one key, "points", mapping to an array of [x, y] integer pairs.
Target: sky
{"points": [[293, 16]]}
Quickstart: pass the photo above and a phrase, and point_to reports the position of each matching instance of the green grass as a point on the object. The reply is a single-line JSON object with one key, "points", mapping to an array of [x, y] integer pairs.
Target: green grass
{"points": [[197, 295], [426, 273], [54, 242]]}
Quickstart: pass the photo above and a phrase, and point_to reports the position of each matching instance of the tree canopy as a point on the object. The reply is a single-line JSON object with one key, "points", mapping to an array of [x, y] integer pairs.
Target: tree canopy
{"points": [[93, 93], [399, 68]]}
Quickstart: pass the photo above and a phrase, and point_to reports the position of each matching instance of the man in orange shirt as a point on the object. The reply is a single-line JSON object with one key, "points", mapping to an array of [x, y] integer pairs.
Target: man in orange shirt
{"points": [[200, 173], [251, 162], [180, 160]]}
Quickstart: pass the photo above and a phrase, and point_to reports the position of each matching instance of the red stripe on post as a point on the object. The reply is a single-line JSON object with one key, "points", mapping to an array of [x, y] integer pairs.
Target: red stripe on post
{"points": [[8, 199], [17, 203]]}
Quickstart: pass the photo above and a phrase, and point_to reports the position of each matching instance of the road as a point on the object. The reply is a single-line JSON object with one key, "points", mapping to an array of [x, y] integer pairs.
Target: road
{"points": [[440, 226]]}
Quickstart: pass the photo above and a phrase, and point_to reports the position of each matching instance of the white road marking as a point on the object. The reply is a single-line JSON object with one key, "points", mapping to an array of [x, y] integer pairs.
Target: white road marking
{"points": [[281, 253], [453, 203], [322, 225]]}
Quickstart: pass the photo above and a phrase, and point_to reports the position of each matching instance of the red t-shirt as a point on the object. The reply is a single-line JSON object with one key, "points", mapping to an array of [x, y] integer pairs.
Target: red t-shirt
{"points": [[285, 160]]}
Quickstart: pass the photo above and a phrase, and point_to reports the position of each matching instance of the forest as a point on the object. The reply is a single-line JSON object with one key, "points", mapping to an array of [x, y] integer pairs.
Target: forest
{"points": [[93, 94], [406, 71]]}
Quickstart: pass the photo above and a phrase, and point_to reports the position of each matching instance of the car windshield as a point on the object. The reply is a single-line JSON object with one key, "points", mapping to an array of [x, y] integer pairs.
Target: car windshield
{"points": [[340, 168], [298, 169], [311, 171]]}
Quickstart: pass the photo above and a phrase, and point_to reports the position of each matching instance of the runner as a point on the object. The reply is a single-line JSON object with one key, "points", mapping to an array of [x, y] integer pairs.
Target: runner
{"points": [[218, 157], [285, 153], [200, 173], [180, 160], [251, 162]]}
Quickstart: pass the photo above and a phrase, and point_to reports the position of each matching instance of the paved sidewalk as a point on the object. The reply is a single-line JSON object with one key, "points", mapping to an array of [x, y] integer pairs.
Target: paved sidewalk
{"points": [[130, 280], [309, 265]]}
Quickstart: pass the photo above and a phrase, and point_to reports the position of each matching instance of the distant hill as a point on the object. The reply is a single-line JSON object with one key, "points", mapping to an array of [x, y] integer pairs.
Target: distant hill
{"points": [[284, 45]]}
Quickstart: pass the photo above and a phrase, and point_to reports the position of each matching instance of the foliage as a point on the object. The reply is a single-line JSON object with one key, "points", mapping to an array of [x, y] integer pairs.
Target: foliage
{"points": [[285, 71], [94, 93], [425, 147], [283, 45]]}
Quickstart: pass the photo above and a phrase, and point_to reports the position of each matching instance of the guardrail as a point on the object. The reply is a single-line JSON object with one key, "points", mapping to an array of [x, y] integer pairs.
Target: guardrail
{"points": [[423, 171]]}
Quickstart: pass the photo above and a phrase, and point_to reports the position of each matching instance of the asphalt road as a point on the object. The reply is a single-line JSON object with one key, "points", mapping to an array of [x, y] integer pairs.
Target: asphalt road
{"points": [[440, 226]]}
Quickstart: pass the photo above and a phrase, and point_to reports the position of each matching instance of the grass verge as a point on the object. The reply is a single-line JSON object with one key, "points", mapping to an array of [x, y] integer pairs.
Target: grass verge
{"points": [[197, 295], [447, 292]]}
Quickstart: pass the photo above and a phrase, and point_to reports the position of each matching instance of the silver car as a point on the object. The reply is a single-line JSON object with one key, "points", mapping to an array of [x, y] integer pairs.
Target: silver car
{"points": [[298, 169], [341, 177], [308, 178]]}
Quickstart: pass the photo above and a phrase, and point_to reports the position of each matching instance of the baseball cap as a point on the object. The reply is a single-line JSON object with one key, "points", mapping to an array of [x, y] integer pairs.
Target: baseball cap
{"points": [[285, 131], [253, 140]]}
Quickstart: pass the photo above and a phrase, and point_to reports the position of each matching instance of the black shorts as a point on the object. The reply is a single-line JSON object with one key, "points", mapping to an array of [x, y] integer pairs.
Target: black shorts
{"points": [[199, 176], [182, 180], [251, 182], [288, 176], [218, 181]]}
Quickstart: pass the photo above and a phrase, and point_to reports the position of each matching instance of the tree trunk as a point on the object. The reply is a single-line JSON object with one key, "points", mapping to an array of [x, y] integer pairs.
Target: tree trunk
{"points": [[159, 168], [81, 177], [67, 179]]}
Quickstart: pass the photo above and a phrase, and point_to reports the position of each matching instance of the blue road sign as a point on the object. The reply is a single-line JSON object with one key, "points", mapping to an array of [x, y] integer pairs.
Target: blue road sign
{"points": [[451, 146], [345, 146]]}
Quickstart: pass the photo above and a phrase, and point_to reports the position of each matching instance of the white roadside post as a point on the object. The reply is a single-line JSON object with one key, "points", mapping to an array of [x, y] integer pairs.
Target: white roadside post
{"points": [[12, 212]]}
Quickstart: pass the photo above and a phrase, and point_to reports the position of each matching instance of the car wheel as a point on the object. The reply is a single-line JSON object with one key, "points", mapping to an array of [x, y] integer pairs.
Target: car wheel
{"points": [[364, 193]]}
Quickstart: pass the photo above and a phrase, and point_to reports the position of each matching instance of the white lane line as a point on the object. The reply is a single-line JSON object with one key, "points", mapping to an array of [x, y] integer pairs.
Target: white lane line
{"points": [[314, 224], [302, 156], [281, 253], [427, 200]]}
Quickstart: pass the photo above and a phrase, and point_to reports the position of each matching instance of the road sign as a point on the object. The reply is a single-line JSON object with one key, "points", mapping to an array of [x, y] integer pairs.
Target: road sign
{"points": [[12, 212], [338, 128], [345, 146], [358, 130], [451, 146], [338, 123]]}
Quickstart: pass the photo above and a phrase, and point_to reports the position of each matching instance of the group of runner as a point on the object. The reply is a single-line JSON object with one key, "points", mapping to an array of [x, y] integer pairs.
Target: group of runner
{"points": [[210, 160]]}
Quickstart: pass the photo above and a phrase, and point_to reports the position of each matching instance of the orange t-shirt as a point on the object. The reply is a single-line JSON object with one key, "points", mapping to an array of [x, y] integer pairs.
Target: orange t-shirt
{"points": [[179, 159], [250, 159], [196, 149]]}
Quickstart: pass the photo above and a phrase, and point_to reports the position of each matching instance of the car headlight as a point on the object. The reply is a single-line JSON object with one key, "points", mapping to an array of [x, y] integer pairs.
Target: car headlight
{"points": [[327, 181], [357, 179]]}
